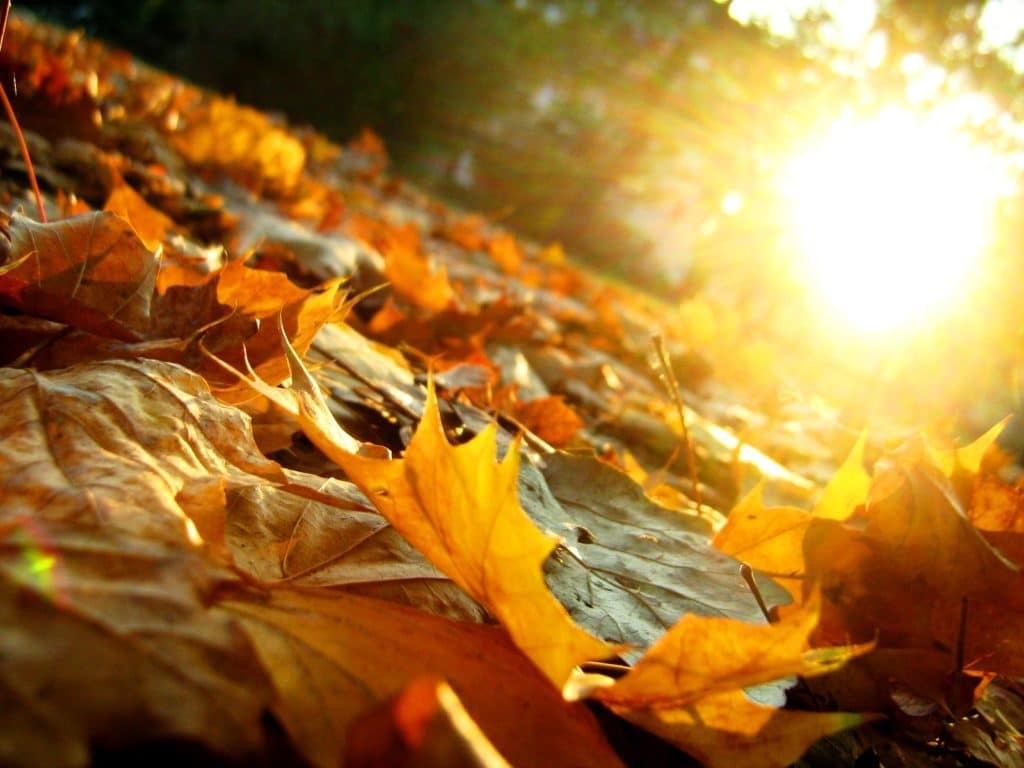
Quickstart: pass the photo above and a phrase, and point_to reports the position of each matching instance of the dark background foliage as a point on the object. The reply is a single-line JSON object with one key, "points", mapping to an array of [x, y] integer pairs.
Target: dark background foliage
{"points": [[614, 127]]}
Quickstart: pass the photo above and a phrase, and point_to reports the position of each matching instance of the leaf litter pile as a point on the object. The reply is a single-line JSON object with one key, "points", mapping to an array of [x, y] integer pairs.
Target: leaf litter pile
{"points": [[301, 467]]}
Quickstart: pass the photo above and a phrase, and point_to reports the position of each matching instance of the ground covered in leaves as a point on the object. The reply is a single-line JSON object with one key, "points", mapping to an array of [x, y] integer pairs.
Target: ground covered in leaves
{"points": [[302, 467]]}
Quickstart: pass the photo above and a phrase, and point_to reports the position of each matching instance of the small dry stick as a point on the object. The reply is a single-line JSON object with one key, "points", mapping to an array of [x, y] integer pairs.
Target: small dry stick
{"points": [[748, 576], [961, 640], [14, 123], [673, 388]]}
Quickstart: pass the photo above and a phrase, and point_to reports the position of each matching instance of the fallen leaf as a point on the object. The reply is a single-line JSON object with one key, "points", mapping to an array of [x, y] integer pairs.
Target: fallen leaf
{"points": [[848, 487], [460, 508], [332, 658], [505, 252], [769, 539], [629, 569], [425, 725], [112, 503], [727, 730], [550, 419], [410, 272], [90, 271], [240, 142], [324, 533], [149, 224], [702, 656]]}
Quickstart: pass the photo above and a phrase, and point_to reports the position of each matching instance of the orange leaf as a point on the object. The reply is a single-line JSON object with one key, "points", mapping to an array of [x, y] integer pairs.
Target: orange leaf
{"points": [[550, 419], [409, 271], [149, 224], [506, 254], [427, 723]]}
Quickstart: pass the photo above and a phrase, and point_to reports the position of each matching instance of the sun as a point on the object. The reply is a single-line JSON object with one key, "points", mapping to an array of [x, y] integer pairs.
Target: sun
{"points": [[890, 215]]}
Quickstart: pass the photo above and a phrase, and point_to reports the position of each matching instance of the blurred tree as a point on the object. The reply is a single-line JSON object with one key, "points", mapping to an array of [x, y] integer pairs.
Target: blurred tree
{"points": [[618, 128]]}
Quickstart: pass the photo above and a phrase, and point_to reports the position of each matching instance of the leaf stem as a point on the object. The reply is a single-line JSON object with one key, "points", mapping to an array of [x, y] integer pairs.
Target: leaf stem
{"points": [[748, 576], [9, 109], [673, 388]]}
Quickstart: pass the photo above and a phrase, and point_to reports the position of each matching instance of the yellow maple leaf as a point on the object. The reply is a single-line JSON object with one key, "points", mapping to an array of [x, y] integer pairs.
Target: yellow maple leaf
{"points": [[459, 507], [848, 487]]}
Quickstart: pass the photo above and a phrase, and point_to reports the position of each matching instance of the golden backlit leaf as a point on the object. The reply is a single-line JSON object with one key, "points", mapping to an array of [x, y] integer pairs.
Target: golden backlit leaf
{"points": [[848, 487], [969, 457], [727, 730], [242, 143], [461, 508], [768, 539], [700, 656], [333, 657]]}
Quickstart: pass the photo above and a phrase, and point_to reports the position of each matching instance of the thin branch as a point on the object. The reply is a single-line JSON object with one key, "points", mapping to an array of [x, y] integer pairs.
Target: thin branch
{"points": [[9, 109], [673, 388]]}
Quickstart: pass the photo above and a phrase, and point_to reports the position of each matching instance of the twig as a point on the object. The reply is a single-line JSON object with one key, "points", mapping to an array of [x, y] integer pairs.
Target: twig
{"points": [[748, 576], [14, 123], [961, 640], [673, 388], [3, 22]]}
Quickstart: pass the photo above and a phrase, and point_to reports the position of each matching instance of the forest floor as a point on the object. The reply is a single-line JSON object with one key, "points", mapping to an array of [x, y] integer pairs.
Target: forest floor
{"points": [[304, 467]]}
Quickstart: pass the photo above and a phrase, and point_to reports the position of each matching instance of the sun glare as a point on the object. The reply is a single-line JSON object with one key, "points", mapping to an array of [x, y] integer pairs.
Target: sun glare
{"points": [[891, 214]]}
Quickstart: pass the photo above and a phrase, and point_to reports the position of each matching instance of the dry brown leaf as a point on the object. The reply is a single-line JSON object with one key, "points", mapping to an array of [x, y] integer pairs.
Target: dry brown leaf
{"points": [[332, 658], [325, 534], [114, 474], [90, 271]]}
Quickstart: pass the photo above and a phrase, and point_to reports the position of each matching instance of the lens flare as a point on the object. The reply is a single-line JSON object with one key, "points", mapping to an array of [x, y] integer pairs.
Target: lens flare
{"points": [[891, 214]]}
